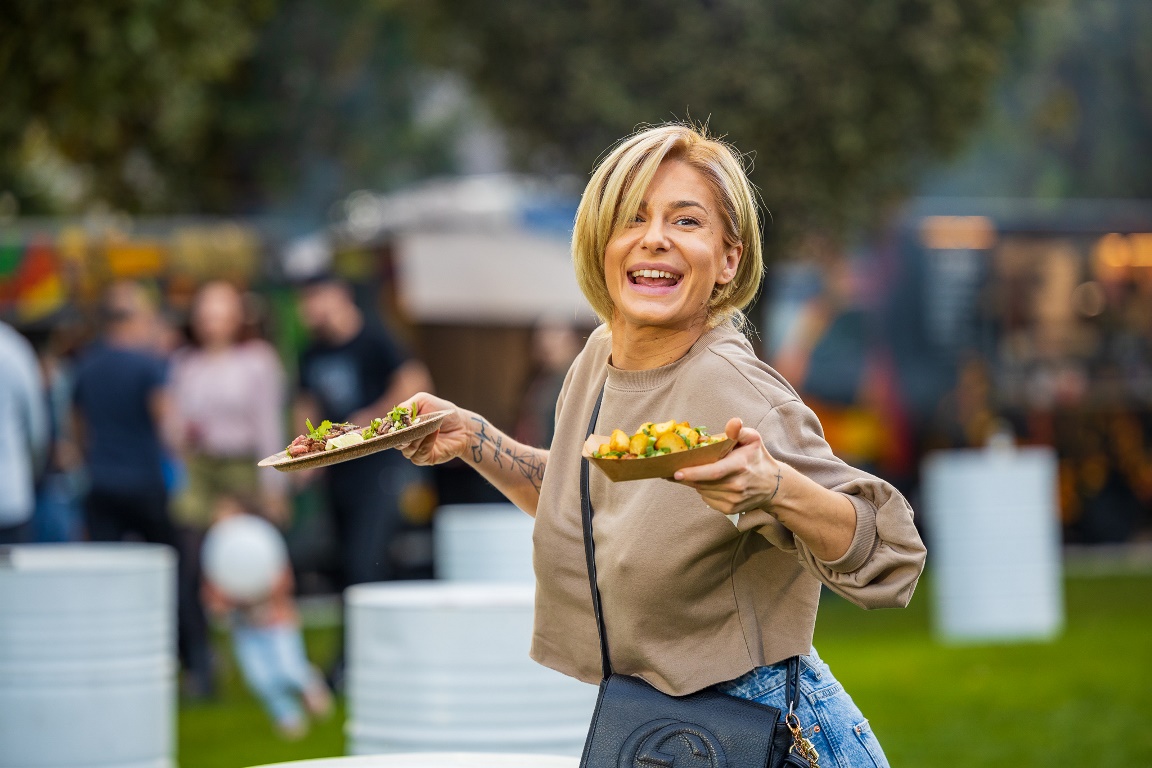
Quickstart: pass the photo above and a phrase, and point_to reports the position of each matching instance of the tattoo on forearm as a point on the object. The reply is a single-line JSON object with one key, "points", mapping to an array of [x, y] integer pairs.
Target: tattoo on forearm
{"points": [[779, 477], [527, 462]]}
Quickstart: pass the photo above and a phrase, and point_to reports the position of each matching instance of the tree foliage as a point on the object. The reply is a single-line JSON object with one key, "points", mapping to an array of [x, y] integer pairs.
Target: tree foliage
{"points": [[1072, 115], [103, 88], [838, 100], [328, 102], [210, 106]]}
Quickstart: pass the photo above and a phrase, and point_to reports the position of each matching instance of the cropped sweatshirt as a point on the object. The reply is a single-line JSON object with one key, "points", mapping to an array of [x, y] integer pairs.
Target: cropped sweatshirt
{"points": [[691, 599]]}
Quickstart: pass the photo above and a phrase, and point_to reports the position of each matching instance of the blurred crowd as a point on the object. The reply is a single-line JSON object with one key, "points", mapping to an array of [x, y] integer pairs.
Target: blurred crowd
{"points": [[144, 426], [148, 430], [1027, 339]]}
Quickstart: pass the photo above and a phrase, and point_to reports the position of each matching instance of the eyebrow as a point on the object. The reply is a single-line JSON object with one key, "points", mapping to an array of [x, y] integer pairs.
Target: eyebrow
{"points": [[678, 205]]}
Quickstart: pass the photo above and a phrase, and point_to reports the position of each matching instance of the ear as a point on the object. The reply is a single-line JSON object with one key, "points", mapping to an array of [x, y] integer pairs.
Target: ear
{"points": [[731, 263]]}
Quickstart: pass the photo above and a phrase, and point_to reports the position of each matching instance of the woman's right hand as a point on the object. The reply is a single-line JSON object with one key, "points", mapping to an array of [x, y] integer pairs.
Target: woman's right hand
{"points": [[451, 439]]}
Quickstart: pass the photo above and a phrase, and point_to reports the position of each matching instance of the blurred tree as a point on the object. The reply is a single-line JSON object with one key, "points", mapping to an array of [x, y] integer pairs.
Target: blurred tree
{"points": [[214, 106], [94, 93], [331, 100], [1072, 115], [840, 101]]}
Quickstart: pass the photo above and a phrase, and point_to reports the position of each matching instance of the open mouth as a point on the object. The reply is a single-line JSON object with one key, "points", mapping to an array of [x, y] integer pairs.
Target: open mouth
{"points": [[655, 278]]}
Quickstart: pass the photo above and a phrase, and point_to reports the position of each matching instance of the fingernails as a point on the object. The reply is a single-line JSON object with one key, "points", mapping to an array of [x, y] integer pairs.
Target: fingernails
{"points": [[679, 476]]}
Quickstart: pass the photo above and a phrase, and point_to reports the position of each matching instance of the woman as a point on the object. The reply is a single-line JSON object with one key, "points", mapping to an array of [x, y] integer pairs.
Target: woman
{"points": [[227, 403], [667, 251], [228, 406]]}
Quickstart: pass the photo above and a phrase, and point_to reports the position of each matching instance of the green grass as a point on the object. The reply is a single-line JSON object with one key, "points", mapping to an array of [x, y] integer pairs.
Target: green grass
{"points": [[232, 730], [1082, 699]]}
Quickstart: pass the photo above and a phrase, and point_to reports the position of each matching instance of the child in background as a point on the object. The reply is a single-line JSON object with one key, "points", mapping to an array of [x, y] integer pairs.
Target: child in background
{"points": [[248, 581]]}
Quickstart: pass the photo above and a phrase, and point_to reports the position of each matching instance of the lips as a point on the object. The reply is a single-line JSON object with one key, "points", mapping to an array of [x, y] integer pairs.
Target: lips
{"points": [[654, 278]]}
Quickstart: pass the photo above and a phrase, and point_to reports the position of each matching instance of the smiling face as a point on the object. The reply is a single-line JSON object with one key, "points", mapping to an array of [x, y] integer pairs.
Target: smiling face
{"points": [[662, 267]]}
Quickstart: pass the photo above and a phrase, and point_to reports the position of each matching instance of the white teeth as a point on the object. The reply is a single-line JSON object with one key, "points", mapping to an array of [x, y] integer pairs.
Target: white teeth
{"points": [[653, 273]]}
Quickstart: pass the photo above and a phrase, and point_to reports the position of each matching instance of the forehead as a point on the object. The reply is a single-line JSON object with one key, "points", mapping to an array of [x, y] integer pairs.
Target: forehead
{"points": [[677, 184]]}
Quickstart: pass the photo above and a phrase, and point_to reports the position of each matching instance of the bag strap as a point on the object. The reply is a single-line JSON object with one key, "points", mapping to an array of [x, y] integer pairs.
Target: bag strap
{"points": [[793, 682], [590, 546]]}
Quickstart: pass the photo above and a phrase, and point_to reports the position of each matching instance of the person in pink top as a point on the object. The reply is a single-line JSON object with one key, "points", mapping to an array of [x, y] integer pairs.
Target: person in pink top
{"points": [[228, 399]]}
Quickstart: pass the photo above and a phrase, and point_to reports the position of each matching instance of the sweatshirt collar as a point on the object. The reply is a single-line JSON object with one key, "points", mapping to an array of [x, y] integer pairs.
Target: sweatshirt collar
{"points": [[654, 378]]}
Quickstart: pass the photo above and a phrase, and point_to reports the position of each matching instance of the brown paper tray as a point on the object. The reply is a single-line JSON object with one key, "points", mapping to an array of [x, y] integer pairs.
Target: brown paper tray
{"points": [[619, 470], [426, 425]]}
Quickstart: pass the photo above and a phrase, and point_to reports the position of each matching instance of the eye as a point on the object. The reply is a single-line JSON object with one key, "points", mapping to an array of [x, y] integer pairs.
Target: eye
{"points": [[687, 221]]}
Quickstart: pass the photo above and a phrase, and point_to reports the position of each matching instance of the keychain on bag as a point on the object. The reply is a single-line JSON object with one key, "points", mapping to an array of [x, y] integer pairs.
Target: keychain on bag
{"points": [[800, 743]]}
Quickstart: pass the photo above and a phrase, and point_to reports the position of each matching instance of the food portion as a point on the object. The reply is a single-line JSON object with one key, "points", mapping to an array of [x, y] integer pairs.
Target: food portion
{"points": [[329, 436], [653, 439]]}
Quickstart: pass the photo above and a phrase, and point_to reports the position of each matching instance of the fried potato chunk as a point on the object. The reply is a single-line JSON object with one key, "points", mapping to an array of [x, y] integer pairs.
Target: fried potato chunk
{"points": [[619, 441], [672, 441], [655, 439]]}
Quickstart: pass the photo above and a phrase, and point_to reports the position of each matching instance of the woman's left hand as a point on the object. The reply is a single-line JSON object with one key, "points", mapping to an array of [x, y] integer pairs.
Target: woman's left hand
{"points": [[747, 478]]}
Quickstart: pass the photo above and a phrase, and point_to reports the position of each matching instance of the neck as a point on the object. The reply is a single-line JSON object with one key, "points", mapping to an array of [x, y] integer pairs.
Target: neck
{"points": [[216, 345], [640, 348], [125, 337]]}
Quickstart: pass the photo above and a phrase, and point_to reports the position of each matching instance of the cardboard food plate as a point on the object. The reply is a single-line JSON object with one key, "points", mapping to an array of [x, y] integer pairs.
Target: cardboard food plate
{"points": [[426, 424], [665, 465]]}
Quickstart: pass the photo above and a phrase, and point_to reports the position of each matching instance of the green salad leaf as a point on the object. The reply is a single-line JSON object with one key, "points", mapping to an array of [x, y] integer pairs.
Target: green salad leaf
{"points": [[318, 433], [397, 414]]}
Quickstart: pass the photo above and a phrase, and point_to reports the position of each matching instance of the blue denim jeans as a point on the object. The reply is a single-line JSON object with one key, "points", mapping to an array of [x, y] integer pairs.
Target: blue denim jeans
{"points": [[829, 717], [275, 667]]}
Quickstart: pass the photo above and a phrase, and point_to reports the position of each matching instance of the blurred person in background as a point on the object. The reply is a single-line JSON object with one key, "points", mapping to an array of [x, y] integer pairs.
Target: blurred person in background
{"points": [[24, 435], [353, 371], [58, 516], [555, 345], [120, 403], [264, 623], [228, 404]]}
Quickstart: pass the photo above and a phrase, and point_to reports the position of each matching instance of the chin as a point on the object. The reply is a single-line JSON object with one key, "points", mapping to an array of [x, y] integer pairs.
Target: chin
{"points": [[671, 319]]}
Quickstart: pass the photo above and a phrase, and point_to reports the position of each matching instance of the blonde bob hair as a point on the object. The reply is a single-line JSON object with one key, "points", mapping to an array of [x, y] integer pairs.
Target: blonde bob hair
{"points": [[617, 188]]}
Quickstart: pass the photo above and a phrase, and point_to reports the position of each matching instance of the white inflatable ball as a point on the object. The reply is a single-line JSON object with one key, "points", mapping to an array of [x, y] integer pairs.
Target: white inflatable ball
{"points": [[244, 556]]}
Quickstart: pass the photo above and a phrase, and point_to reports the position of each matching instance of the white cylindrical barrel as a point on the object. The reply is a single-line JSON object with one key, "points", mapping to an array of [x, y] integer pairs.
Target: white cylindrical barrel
{"points": [[483, 542], [994, 543], [87, 656], [437, 666], [438, 760]]}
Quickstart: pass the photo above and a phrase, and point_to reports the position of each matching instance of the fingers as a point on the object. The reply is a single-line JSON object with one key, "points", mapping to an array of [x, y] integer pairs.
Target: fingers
{"points": [[733, 427], [748, 445], [420, 399], [425, 402], [410, 449], [421, 452], [707, 473]]}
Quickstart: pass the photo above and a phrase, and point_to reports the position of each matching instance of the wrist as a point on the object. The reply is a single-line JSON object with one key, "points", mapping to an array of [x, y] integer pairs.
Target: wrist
{"points": [[776, 485], [474, 425]]}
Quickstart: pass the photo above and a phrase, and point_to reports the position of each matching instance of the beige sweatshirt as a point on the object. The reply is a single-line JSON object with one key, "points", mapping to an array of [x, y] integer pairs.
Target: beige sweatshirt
{"points": [[690, 599]]}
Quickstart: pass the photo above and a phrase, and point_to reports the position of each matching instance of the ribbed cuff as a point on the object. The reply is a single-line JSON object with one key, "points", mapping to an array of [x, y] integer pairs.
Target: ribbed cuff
{"points": [[862, 540]]}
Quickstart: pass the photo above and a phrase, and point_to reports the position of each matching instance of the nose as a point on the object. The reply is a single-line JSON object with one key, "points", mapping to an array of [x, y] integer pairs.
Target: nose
{"points": [[655, 236]]}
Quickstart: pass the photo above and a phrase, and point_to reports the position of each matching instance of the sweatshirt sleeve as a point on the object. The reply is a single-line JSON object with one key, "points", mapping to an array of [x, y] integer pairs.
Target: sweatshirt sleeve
{"points": [[886, 556]]}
